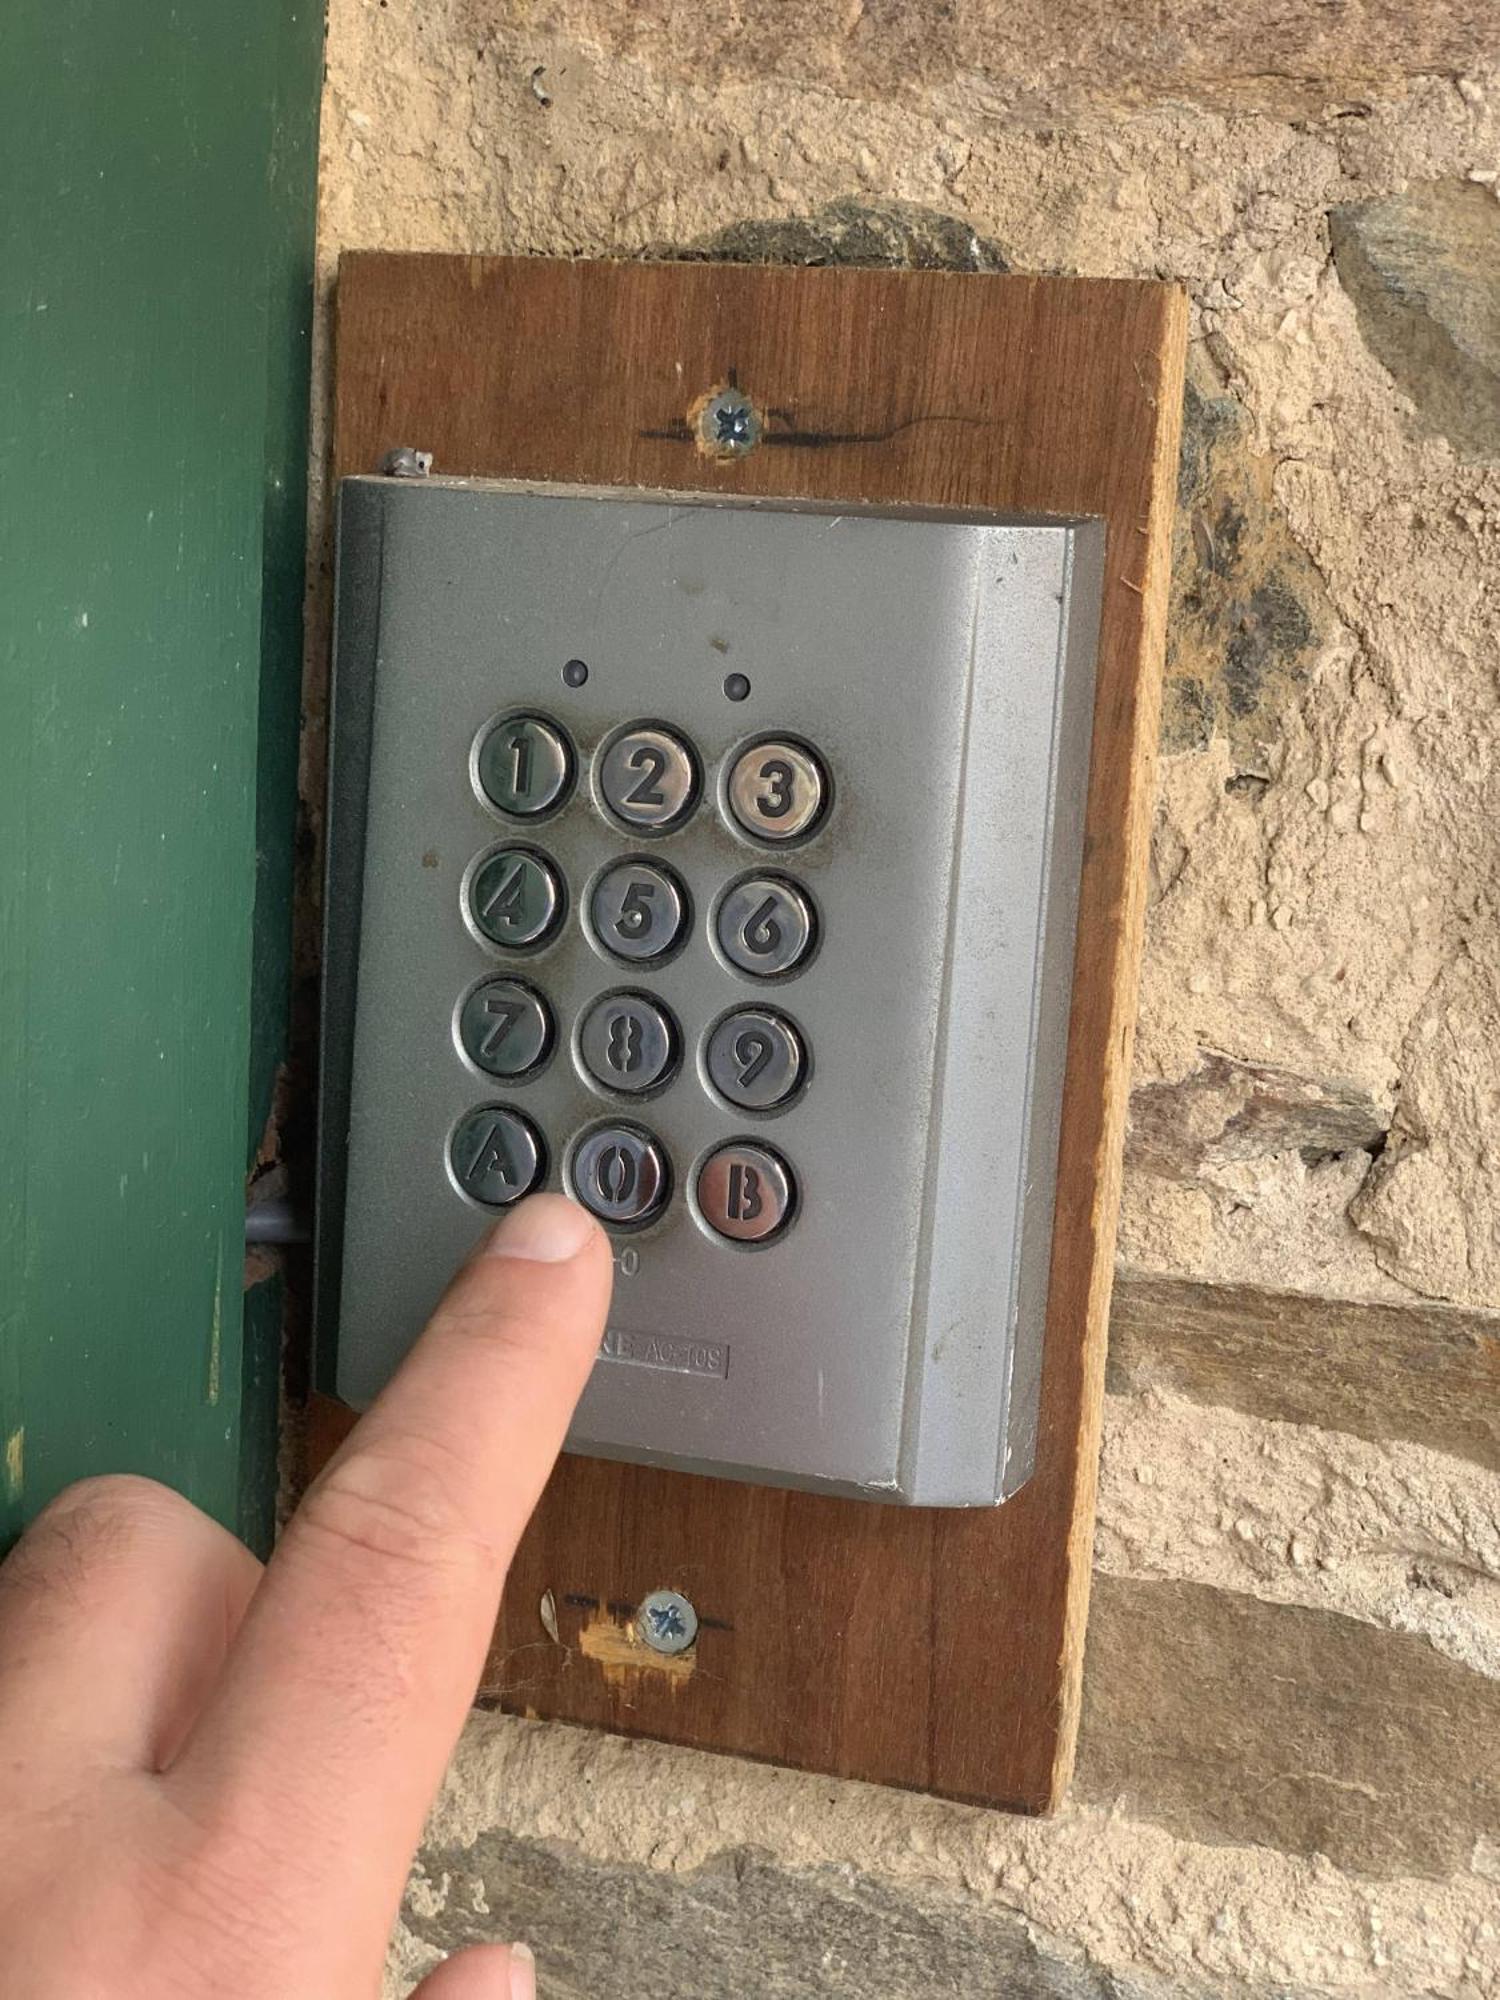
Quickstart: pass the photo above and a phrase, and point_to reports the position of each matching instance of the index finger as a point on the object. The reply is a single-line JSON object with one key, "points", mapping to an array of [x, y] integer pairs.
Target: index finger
{"points": [[354, 1668]]}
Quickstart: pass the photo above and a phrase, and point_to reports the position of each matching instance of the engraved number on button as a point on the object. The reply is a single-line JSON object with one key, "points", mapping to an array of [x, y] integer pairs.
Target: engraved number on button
{"points": [[778, 774], [510, 898], [506, 1014], [519, 745], [744, 1201], [752, 1051], [624, 1050], [646, 790], [634, 919], [760, 930], [615, 1175]]}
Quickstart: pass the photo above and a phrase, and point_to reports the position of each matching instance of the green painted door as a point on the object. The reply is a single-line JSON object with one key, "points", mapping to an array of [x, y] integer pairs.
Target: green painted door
{"points": [[156, 176]]}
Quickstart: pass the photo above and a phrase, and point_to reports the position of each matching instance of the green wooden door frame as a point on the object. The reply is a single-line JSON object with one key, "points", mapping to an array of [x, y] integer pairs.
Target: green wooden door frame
{"points": [[157, 169]]}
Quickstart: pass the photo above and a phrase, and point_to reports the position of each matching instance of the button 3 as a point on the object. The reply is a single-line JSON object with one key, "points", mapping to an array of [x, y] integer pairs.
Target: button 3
{"points": [[496, 1155], [745, 1193], [515, 897], [764, 925], [619, 1173], [638, 910], [525, 765], [777, 790], [648, 777], [755, 1059], [626, 1042]]}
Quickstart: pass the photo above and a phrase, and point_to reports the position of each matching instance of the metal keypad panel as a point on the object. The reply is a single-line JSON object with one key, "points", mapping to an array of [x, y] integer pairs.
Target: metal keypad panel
{"points": [[717, 864]]}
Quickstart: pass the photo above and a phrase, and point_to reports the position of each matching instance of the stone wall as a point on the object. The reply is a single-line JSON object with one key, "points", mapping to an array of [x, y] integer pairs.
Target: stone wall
{"points": [[1289, 1779]]}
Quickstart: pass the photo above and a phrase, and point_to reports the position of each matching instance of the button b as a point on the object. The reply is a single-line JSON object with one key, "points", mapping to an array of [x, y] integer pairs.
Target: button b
{"points": [[525, 765], [745, 1193], [619, 1173]]}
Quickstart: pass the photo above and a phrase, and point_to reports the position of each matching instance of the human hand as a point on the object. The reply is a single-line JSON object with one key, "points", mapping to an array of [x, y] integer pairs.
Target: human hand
{"points": [[214, 1777]]}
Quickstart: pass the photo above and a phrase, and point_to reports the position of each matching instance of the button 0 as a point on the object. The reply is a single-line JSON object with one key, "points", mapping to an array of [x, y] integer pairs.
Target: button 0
{"points": [[777, 790], [619, 1173], [765, 925], [638, 910], [525, 765], [627, 1042], [515, 897], [755, 1059], [505, 1027], [745, 1193], [648, 777], [496, 1155]]}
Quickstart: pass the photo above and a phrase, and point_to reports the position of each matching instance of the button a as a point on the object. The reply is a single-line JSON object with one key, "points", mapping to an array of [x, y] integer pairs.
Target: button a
{"points": [[496, 1155]]}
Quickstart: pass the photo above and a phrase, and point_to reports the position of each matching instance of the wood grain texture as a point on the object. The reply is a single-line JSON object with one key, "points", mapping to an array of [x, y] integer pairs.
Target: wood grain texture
{"points": [[940, 1650]]}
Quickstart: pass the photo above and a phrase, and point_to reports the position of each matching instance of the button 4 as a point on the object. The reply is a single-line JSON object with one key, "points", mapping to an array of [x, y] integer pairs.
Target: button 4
{"points": [[746, 1193], [515, 897]]}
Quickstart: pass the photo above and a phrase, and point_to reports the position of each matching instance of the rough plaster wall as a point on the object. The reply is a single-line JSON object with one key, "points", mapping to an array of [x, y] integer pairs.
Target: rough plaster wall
{"points": [[1316, 1106]]}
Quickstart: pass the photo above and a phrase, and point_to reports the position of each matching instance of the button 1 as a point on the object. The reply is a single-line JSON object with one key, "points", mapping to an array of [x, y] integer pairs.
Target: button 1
{"points": [[505, 1028], [648, 777], [525, 765], [496, 1155], [627, 1042], [515, 897], [777, 790], [764, 925], [755, 1059], [745, 1193], [638, 910], [619, 1173]]}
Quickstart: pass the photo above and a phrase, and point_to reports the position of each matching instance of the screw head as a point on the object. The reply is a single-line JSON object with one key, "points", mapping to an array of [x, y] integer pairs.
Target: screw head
{"points": [[729, 425], [406, 462], [666, 1622]]}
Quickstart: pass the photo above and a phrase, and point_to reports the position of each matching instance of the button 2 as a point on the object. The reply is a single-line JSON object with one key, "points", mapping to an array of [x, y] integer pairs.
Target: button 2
{"points": [[525, 765], [505, 1028], [648, 777], [745, 1193], [496, 1155], [626, 1042], [515, 897], [619, 1173], [638, 910], [777, 790], [764, 925], [755, 1059]]}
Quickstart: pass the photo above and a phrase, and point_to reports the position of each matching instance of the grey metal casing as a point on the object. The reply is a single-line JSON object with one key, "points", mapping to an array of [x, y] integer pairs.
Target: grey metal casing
{"points": [[889, 1345]]}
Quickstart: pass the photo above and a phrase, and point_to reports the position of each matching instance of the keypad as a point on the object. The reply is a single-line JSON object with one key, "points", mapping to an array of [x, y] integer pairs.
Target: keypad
{"points": [[645, 778]]}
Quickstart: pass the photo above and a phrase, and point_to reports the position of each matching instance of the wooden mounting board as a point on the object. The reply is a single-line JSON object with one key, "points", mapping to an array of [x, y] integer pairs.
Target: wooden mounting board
{"points": [[938, 1650]]}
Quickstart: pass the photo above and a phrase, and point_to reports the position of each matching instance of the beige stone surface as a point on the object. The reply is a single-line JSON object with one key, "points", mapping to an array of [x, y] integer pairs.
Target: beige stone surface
{"points": [[1325, 877]]}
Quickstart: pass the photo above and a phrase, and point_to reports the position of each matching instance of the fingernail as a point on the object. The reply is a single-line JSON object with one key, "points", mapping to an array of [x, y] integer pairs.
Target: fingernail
{"points": [[547, 1229], [522, 1973]]}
